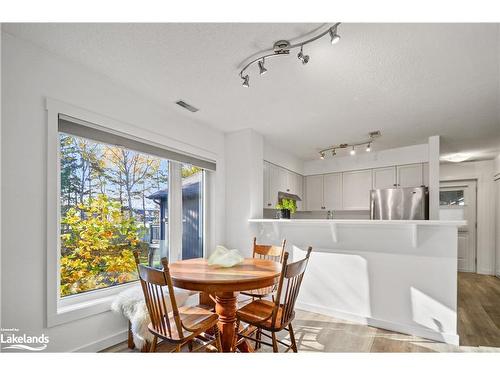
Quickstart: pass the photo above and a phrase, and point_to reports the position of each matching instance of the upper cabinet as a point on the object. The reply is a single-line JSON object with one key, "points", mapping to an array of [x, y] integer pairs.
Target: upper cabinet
{"points": [[384, 178], [348, 190], [410, 175], [425, 177], [267, 182], [278, 179], [332, 191], [314, 193], [356, 186]]}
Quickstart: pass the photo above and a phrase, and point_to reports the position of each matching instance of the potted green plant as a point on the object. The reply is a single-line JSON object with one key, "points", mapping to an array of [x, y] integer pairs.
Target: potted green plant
{"points": [[286, 206]]}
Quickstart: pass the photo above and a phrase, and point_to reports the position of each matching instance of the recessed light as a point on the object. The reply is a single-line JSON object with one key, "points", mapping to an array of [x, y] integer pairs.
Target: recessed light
{"points": [[456, 158]]}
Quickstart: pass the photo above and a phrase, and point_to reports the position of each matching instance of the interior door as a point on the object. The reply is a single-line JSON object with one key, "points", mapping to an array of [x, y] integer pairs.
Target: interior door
{"points": [[458, 202]]}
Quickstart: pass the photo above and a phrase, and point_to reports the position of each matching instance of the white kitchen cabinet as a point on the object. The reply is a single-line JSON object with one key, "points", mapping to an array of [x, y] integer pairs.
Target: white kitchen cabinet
{"points": [[425, 174], [278, 179], [410, 175], [267, 182], [356, 186], [314, 193], [297, 187], [332, 191], [384, 178], [277, 182]]}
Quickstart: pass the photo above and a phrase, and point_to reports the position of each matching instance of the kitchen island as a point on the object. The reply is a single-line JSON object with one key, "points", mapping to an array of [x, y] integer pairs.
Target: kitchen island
{"points": [[399, 275]]}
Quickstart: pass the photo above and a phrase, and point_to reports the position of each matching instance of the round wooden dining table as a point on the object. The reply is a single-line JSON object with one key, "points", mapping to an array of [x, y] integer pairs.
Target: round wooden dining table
{"points": [[224, 284]]}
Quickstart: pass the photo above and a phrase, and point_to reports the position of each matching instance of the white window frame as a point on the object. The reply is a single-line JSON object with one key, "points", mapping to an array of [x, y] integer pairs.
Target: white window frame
{"points": [[70, 308]]}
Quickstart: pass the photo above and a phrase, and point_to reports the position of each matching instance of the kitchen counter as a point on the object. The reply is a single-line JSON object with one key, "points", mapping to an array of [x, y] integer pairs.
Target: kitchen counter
{"points": [[452, 223], [399, 275]]}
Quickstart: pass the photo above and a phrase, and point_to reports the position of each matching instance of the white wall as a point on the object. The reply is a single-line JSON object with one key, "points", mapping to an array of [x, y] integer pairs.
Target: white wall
{"points": [[483, 171], [0, 180], [29, 75], [367, 160], [283, 159], [497, 226], [244, 187]]}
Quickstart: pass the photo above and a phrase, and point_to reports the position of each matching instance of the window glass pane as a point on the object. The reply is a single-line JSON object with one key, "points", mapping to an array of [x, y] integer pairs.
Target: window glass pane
{"points": [[113, 201], [192, 212], [451, 198]]}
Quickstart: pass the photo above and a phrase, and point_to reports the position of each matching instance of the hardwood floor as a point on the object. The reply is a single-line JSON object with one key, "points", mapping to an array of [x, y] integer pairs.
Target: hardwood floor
{"points": [[478, 327]]}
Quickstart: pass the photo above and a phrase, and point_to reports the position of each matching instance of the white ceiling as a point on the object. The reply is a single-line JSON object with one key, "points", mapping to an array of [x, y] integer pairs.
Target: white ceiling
{"points": [[410, 81]]}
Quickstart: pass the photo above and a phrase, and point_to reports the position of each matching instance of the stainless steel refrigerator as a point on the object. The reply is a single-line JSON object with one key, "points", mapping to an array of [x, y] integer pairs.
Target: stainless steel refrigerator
{"points": [[399, 204]]}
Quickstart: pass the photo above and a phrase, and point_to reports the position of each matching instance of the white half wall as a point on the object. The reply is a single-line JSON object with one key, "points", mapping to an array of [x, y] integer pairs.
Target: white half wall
{"points": [[374, 159], [244, 187], [399, 276], [30, 75], [483, 172]]}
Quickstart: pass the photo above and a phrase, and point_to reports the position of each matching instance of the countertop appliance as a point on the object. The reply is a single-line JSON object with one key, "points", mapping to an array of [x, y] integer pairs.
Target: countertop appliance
{"points": [[399, 204]]}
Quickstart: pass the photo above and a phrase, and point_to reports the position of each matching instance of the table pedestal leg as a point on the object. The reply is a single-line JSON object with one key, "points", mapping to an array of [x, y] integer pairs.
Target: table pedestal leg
{"points": [[226, 309]]}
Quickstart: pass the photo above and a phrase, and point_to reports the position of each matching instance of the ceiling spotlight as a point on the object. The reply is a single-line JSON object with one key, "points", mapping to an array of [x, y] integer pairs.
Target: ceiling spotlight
{"points": [[302, 57], [262, 69], [353, 151], [334, 37], [246, 79], [321, 155], [368, 147], [334, 152]]}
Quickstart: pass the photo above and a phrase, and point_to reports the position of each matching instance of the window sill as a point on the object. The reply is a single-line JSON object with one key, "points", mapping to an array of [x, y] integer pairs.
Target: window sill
{"points": [[85, 305]]}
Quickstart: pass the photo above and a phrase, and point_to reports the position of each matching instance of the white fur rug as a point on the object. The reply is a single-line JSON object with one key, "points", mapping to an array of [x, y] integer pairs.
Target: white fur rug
{"points": [[130, 303]]}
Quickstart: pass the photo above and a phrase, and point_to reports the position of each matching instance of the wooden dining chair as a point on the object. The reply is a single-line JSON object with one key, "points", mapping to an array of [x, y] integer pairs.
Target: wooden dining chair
{"points": [[269, 252], [177, 326], [277, 315]]}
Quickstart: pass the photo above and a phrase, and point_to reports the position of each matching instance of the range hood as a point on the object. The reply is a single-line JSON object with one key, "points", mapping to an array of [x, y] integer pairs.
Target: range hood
{"points": [[282, 194]]}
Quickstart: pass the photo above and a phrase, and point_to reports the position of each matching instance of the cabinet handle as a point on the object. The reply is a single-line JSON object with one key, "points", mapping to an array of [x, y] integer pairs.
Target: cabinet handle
{"points": [[269, 204], [287, 189], [322, 208]]}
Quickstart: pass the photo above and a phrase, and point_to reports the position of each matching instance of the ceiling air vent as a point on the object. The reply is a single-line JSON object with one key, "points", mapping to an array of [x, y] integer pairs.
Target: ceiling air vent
{"points": [[187, 106]]}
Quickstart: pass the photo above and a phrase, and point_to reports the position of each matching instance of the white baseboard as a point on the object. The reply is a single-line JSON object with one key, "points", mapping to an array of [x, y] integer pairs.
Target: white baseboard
{"points": [[449, 338], [104, 343]]}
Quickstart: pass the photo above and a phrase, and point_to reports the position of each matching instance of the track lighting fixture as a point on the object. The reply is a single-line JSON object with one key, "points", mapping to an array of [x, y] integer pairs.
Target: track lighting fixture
{"points": [[283, 48], [372, 135], [302, 57], [262, 69], [246, 80], [334, 37]]}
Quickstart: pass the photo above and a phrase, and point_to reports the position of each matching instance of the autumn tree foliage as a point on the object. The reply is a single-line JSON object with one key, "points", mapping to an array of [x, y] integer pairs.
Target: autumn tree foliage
{"points": [[97, 246]]}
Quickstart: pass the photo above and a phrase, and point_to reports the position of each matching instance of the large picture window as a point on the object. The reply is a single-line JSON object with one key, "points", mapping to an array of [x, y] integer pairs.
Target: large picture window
{"points": [[109, 208]]}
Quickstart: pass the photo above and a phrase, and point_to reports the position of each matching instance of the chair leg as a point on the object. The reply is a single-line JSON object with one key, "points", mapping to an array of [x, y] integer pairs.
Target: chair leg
{"points": [[190, 346], [218, 343], [152, 348], [130, 340], [275, 343], [178, 348], [258, 336], [236, 331], [292, 338]]}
